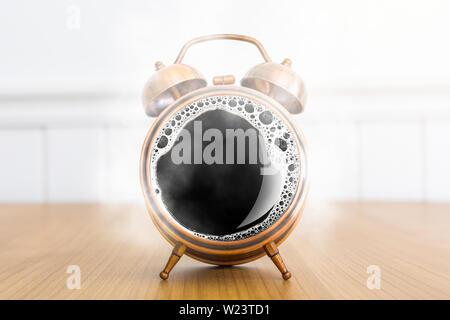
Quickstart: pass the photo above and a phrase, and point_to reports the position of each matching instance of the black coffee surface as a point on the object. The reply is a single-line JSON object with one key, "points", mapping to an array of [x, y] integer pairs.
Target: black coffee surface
{"points": [[213, 199]]}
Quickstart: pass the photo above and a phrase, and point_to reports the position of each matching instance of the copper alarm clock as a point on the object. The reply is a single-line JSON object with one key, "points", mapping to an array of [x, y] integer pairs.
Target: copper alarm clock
{"points": [[223, 169]]}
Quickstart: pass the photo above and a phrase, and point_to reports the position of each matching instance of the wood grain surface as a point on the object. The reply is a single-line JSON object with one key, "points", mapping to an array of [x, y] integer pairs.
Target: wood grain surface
{"points": [[120, 254]]}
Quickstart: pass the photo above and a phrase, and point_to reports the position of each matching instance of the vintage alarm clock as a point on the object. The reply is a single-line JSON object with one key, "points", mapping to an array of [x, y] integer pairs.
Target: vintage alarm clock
{"points": [[223, 169]]}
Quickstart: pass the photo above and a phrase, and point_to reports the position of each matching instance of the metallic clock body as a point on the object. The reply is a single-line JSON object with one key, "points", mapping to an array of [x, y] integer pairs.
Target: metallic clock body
{"points": [[221, 252]]}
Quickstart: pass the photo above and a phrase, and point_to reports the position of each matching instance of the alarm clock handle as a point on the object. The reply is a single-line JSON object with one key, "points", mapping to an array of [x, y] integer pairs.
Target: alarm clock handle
{"points": [[237, 37]]}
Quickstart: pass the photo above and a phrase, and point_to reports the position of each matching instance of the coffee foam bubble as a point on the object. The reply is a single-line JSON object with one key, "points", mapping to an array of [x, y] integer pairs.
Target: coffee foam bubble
{"points": [[279, 143]]}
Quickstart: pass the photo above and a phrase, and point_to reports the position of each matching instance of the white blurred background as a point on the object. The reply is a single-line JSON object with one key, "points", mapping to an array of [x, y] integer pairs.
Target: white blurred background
{"points": [[377, 72]]}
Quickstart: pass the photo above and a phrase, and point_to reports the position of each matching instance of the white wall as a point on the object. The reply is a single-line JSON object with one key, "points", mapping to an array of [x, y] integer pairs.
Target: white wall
{"points": [[377, 120]]}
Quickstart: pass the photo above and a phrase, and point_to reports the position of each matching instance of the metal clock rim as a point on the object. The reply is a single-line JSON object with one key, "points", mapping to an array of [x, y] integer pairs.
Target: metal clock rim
{"points": [[216, 246]]}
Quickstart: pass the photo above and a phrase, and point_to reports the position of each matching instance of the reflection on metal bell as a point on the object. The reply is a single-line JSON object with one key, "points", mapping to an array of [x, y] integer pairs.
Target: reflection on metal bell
{"points": [[279, 82], [168, 84]]}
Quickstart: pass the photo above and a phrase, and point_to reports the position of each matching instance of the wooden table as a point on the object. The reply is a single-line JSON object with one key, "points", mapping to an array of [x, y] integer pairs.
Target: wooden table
{"points": [[120, 255]]}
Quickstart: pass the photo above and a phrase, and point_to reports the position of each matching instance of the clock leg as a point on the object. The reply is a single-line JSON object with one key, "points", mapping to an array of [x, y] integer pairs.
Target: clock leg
{"points": [[273, 253], [177, 252]]}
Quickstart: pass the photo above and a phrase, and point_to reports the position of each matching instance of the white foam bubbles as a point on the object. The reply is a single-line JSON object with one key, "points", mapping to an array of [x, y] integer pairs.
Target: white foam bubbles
{"points": [[281, 149]]}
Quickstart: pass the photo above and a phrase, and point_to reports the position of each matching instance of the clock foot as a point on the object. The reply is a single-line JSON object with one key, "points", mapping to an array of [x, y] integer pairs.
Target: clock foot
{"points": [[273, 253], [177, 252]]}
